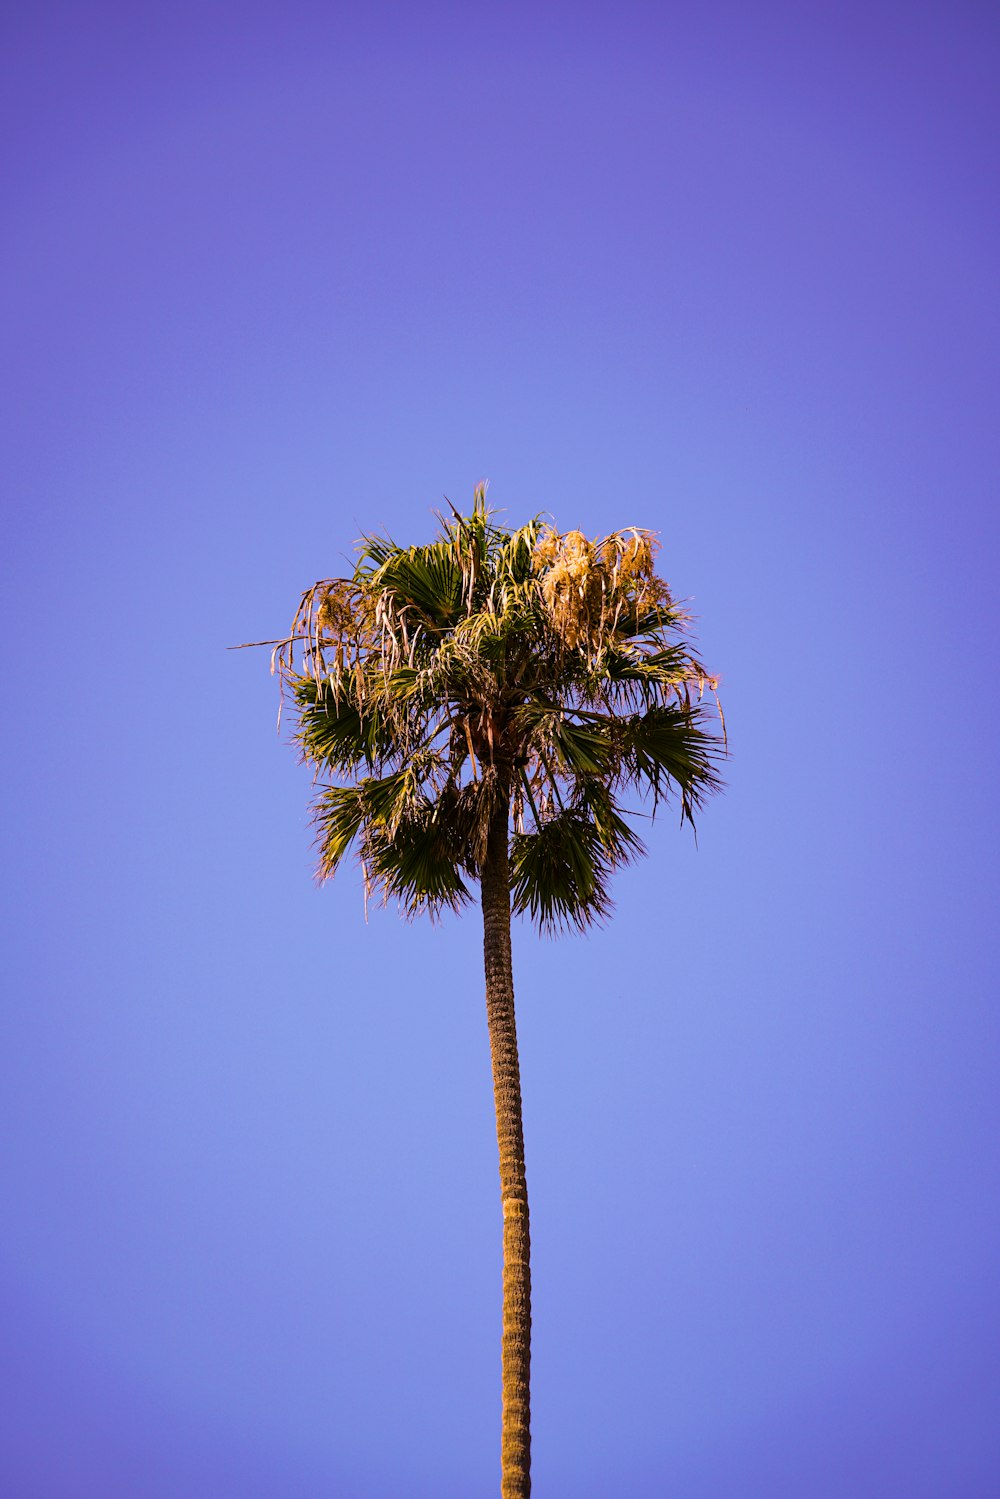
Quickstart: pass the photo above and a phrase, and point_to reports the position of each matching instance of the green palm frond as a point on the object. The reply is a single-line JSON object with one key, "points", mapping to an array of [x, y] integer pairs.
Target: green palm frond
{"points": [[339, 815], [584, 747], [655, 672], [620, 842], [425, 581], [579, 744], [418, 863], [669, 749], [559, 873], [334, 733]]}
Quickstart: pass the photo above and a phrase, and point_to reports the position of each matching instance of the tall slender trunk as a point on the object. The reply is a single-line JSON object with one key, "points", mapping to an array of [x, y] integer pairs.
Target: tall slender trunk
{"points": [[515, 1451]]}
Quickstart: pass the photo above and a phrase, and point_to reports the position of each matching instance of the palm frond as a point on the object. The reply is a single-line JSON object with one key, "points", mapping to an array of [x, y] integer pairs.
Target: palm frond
{"points": [[425, 581], [336, 733], [559, 873], [668, 749], [620, 842], [338, 814], [416, 863], [578, 741]]}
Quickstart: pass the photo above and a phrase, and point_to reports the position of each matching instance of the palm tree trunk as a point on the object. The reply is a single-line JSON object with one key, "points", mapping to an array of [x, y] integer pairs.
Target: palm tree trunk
{"points": [[515, 1452]]}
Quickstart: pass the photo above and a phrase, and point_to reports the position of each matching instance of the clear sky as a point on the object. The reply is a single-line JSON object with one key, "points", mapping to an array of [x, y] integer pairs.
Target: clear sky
{"points": [[274, 275]]}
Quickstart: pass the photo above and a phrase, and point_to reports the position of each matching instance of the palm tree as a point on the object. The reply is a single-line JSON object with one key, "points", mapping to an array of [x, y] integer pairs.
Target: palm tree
{"points": [[479, 704]]}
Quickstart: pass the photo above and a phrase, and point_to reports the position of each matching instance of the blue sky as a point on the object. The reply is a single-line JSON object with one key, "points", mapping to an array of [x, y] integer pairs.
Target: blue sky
{"points": [[271, 279]]}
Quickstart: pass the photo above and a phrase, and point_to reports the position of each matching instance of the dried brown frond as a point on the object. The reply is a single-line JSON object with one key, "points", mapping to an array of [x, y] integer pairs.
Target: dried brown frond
{"points": [[332, 630], [589, 586], [573, 585], [629, 554], [546, 548], [336, 615]]}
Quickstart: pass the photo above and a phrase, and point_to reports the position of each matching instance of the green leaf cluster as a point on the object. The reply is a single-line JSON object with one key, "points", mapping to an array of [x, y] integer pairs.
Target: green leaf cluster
{"points": [[527, 669]]}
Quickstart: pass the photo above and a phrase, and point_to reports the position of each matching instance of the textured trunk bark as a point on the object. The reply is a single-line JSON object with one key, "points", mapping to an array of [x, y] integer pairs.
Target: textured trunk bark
{"points": [[515, 1451]]}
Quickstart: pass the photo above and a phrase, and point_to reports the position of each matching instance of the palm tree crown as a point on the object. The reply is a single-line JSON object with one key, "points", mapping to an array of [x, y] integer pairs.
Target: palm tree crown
{"points": [[529, 667]]}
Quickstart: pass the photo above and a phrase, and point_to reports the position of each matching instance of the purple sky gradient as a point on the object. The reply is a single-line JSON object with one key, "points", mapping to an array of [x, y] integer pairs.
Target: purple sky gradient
{"points": [[273, 278]]}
